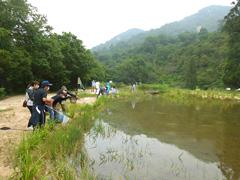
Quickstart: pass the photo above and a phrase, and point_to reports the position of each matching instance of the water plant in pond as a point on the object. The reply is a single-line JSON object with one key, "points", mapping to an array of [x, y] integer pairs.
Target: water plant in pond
{"points": [[124, 149]]}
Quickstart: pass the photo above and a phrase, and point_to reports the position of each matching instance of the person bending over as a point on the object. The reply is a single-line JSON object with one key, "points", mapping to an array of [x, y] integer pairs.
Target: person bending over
{"points": [[51, 107], [102, 91], [63, 102]]}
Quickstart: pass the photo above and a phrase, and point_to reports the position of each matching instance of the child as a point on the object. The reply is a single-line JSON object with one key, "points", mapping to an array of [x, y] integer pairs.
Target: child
{"points": [[113, 91]]}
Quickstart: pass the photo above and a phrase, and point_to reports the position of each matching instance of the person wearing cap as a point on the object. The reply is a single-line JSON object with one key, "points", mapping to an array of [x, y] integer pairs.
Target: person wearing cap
{"points": [[40, 98], [64, 91]]}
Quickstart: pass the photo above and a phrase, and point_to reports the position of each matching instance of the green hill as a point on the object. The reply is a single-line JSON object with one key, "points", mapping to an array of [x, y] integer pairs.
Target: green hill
{"points": [[208, 18], [125, 36]]}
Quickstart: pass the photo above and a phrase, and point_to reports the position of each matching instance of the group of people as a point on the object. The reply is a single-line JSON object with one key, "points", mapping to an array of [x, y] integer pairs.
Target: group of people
{"points": [[102, 90], [38, 103]]}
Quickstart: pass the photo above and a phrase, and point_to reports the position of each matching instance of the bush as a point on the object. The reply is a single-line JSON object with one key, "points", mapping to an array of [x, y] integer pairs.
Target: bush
{"points": [[2, 93], [155, 87]]}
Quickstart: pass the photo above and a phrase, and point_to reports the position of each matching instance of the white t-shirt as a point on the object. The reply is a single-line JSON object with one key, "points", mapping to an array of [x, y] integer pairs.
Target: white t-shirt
{"points": [[97, 85]]}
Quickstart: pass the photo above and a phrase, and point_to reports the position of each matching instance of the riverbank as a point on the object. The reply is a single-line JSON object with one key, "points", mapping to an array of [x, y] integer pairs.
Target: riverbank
{"points": [[13, 122], [165, 90]]}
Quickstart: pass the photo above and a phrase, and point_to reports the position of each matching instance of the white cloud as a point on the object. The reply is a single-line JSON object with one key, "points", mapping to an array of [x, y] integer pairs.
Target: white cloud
{"points": [[95, 21]]}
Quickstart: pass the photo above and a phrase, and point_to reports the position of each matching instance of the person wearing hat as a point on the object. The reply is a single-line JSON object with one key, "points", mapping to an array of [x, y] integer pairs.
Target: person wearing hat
{"points": [[40, 98], [64, 91]]}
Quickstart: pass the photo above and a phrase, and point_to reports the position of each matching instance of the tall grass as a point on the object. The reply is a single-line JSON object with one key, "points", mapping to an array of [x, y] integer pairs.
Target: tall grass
{"points": [[47, 152], [165, 90]]}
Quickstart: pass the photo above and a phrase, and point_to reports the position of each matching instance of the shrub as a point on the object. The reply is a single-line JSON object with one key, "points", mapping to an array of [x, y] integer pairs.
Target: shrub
{"points": [[2, 93]]}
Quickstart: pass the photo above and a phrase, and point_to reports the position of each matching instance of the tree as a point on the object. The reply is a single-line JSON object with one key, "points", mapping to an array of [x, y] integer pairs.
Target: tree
{"points": [[131, 70], [232, 28], [191, 74], [29, 51]]}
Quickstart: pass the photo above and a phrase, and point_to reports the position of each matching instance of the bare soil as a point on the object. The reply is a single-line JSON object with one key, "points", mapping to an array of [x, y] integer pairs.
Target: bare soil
{"points": [[13, 122]]}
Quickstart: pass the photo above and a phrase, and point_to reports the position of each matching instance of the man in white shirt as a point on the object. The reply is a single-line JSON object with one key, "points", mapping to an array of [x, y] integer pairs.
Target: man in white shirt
{"points": [[97, 87]]}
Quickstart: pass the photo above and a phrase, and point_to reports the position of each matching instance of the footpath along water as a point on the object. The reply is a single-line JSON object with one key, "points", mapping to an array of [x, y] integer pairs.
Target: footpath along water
{"points": [[166, 139]]}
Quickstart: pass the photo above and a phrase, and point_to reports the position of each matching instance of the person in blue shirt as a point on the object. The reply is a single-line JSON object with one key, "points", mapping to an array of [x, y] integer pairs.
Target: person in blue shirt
{"points": [[93, 86], [108, 88]]}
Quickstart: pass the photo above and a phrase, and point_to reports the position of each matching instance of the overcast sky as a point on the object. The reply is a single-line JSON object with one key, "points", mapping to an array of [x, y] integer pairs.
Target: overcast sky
{"points": [[97, 21]]}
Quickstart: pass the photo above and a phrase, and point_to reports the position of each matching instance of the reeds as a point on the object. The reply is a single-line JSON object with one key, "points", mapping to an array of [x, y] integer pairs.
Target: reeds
{"points": [[177, 92]]}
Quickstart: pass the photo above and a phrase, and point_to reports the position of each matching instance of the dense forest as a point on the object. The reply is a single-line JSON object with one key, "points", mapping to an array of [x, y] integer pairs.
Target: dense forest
{"points": [[190, 60], [29, 50]]}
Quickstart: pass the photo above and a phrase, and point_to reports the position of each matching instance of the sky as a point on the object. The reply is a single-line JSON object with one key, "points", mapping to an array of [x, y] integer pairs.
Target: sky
{"points": [[97, 21]]}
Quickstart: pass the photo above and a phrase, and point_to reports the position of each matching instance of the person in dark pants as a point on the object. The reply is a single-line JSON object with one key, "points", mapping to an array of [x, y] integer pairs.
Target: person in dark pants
{"points": [[51, 107], [63, 102], [102, 91], [38, 111], [31, 88]]}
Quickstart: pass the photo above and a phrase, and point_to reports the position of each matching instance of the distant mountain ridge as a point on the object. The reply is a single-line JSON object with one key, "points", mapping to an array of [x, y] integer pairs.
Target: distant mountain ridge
{"points": [[208, 18], [125, 36]]}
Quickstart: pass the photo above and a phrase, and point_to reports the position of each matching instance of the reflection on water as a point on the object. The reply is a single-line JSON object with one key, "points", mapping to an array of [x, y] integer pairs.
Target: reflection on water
{"points": [[133, 104], [167, 139]]}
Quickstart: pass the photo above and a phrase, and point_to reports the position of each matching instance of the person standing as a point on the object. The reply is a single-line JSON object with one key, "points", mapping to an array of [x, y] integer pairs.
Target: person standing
{"points": [[97, 87], [108, 88], [64, 91], [134, 87], [93, 86], [31, 88], [38, 111], [113, 91]]}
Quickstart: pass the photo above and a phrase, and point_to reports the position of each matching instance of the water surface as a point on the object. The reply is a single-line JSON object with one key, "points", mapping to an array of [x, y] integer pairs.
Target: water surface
{"points": [[160, 138]]}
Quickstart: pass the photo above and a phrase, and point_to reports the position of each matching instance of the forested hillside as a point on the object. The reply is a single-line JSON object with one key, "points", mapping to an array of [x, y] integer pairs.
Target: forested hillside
{"points": [[189, 60], [192, 59], [30, 51], [208, 17], [123, 37]]}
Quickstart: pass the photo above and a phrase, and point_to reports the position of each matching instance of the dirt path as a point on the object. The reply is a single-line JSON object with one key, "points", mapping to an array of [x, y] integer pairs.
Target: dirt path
{"points": [[13, 123]]}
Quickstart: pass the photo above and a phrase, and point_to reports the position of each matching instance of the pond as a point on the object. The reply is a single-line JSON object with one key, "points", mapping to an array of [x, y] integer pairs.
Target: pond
{"points": [[163, 138]]}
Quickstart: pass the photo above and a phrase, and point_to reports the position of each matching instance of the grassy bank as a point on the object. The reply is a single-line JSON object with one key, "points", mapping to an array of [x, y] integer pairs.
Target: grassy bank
{"points": [[165, 90], [57, 151]]}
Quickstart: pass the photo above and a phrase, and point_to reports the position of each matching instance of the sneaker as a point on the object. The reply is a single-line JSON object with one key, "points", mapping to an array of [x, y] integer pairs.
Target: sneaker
{"points": [[30, 128]]}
